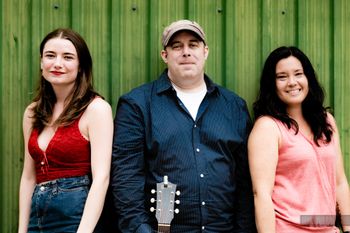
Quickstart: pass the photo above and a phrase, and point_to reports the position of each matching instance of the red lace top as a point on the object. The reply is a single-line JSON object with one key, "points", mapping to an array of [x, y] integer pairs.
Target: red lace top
{"points": [[67, 154]]}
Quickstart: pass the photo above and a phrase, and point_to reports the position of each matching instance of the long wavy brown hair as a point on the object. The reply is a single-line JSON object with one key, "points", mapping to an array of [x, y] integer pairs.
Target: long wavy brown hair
{"points": [[82, 93]]}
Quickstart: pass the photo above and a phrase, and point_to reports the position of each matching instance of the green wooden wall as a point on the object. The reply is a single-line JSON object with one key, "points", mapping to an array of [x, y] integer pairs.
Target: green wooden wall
{"points": [[124, 39]]}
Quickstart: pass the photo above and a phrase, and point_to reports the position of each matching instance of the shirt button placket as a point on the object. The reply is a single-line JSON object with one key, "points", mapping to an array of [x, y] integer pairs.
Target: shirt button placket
{"points": [[196, 142], [196, 137]]}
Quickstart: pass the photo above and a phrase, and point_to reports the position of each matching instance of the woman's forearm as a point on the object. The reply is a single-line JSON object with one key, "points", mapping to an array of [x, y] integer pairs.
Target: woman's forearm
{"points": [[94, 205], [264, 214], [25, 194]]}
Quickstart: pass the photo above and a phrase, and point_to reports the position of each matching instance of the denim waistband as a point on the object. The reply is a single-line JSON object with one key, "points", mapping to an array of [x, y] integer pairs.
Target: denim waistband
{"points": [[79, 180]]}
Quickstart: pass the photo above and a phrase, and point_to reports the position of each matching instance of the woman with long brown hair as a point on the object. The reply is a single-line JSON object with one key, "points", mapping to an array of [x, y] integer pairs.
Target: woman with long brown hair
{"points": [[68, 131]]}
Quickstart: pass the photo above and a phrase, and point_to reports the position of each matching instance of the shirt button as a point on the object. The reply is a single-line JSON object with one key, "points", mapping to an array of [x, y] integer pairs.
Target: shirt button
{"points": [[203, 203], [201, 175], [42, 163], [197, 149], [203, 227], [195, 126], [42, 188]]}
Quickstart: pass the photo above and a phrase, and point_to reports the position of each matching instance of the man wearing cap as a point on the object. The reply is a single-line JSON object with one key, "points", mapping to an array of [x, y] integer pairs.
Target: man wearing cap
{"points": [[191, 130]]}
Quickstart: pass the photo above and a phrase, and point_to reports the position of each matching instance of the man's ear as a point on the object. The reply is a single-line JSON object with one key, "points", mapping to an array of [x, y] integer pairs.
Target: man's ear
{"points": [[164, 56], [206, 51]]}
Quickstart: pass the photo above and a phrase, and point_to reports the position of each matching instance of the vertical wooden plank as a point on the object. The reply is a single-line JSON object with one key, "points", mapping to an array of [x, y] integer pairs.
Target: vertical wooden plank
{"points": [[50, 14], [2, 114], [132, 37], [2, 125], [341, 72], [91, 19], [278, 24], [242, 47], [116, 72], [15, 63]]}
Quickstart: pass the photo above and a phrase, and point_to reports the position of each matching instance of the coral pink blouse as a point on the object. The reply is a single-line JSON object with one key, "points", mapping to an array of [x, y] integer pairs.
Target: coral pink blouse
{"points": [[304, 193]]}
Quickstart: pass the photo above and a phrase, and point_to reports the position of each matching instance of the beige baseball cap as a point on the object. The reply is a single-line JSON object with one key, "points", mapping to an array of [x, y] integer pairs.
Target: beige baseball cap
{"points": [[181, 25]]}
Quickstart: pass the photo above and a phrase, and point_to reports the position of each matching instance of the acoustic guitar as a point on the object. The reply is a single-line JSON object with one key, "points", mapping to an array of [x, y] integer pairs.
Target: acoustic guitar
{"points": [[165, 202]]}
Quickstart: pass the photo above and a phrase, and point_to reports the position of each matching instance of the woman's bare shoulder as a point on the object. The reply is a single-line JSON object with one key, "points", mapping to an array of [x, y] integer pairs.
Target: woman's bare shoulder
{"points": [[265, 122], [265, 128], [29, 111], [99, 105]]}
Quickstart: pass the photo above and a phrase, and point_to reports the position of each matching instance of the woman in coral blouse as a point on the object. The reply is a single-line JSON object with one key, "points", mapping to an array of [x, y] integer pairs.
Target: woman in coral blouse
{"points": [[294, 153], [68, 131]]}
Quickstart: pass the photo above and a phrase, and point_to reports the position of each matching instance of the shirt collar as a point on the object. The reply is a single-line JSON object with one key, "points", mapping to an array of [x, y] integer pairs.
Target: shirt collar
{"points": [[164, 84]]}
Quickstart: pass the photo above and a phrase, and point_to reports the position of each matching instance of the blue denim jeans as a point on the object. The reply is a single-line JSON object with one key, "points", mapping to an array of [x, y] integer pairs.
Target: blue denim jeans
{"points": [[57, 205]]}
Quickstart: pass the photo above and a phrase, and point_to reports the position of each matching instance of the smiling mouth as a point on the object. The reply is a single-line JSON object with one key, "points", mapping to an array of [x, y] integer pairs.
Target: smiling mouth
{"points": [[295, 91]]}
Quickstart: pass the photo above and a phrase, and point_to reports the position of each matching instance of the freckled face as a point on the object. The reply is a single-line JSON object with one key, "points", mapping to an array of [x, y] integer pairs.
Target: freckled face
{"points": [[59, 62], [291, 83]]}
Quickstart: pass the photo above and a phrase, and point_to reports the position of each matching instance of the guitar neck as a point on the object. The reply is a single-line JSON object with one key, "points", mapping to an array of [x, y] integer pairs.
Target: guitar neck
{"points": [[166, 192], [163, 228]]}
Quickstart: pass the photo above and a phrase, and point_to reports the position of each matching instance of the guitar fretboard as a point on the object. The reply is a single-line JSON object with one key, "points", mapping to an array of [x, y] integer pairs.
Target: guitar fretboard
{"points": [[163, 228]]}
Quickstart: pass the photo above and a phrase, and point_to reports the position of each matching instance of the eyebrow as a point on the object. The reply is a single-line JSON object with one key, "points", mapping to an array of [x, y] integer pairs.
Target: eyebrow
{"points": [[65, 53], [297, 70], [279, 73], [177, 41]]}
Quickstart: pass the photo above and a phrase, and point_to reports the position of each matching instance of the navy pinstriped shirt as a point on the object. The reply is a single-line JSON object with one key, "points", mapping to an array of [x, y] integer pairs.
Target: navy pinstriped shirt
{"points": [[207, 158]]}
